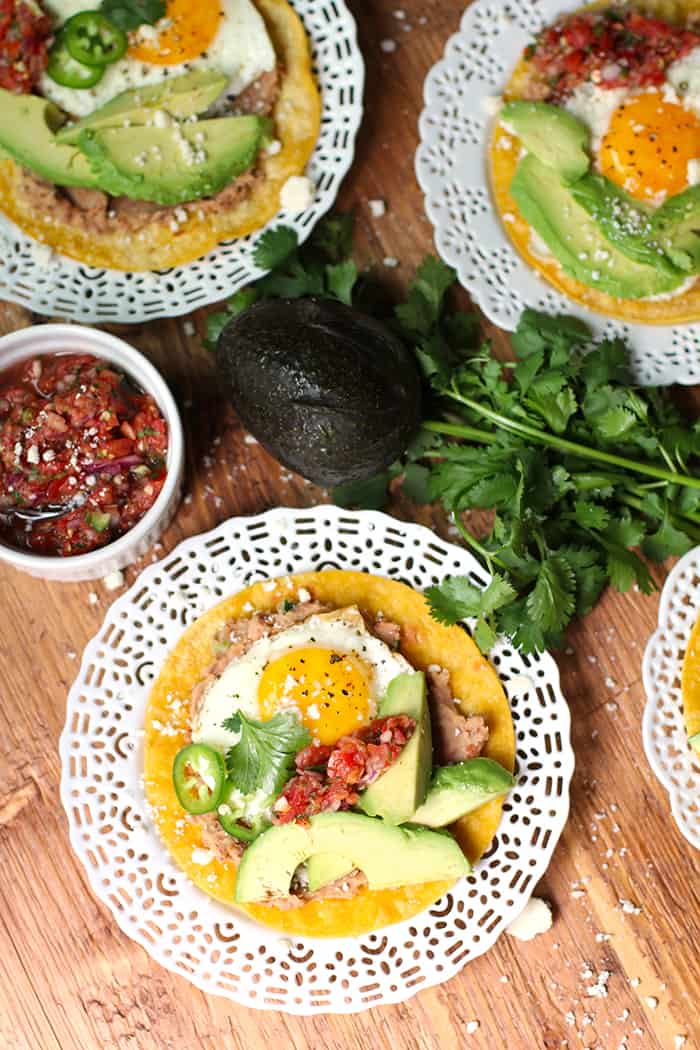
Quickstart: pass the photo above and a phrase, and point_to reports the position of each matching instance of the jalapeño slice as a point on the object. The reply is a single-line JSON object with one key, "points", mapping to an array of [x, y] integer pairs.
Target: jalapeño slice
{"points": [[67, 71], [93, 40], [198, 778]]}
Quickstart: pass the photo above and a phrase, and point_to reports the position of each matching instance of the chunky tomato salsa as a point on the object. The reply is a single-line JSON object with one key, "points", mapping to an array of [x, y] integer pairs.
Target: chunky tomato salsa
{"points": [[25, 29], [613, 48], [76, 433]]}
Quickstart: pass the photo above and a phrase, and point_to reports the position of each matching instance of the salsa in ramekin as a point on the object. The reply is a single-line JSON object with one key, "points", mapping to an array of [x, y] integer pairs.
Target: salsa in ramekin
{"points": [[77, 433]]}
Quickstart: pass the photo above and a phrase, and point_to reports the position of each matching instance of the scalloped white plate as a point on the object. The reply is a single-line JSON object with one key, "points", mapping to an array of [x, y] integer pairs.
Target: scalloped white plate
{"points": [[63, 287], [671, 758], [132, 873], [451, 167]]}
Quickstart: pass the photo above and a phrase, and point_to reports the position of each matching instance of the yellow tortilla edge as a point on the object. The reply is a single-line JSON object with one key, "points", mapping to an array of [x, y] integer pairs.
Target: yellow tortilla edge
{"points": [[503, 158], [297, 117], [690, 682], [425, 642]]}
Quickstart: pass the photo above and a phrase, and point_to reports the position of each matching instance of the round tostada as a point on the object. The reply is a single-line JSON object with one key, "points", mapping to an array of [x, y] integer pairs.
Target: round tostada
{"points": [[140, 136], [690, 688], [322, 754], [595, 158]]}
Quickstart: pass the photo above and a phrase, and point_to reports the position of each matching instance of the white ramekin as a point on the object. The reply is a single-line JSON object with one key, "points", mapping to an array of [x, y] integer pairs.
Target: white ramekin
{"points": [[52, 338]]}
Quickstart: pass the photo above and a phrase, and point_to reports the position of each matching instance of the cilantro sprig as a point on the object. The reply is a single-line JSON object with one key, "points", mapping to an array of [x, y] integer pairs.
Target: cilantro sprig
{"points": [[130, 14], [263, 758], [587, 476]]}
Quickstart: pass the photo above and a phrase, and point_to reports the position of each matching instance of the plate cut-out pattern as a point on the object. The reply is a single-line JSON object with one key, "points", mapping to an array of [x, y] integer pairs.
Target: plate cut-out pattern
{"points": [[130, 870], [461, 93], [57, 286], [665, 742]]}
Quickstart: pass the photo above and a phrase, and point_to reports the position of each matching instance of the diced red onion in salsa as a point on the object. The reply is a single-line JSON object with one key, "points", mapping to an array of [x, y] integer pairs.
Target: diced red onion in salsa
{"points": [[77, 432]]}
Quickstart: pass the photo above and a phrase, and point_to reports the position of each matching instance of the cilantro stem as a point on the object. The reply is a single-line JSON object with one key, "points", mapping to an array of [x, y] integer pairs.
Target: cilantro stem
{"points": [[489, 558], [459, 430], [552, 441]]}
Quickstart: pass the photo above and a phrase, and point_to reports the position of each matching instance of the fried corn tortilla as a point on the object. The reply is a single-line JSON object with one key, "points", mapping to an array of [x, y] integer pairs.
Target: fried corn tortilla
{"points": [[503, 160], [424, 642], [690, 682], [297, 116]]}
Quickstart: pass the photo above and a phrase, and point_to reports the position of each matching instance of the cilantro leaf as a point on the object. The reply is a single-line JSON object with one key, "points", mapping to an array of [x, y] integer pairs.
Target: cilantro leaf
{"points": [[421, 311], [590, 515], [457, 597], [551, 602], [263, 758], [666, 542], [274, 247], [341, 278], [415, 483], [130, 14], [626, 568]]}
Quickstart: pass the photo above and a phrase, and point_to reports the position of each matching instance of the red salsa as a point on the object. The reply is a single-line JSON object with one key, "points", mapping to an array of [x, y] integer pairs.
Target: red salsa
{"points": [[77, 433], [25, 30], [616, 47]]}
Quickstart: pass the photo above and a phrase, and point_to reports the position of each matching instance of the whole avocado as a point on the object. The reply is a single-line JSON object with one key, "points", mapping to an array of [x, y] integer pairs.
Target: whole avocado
{"points": [[330, 392]]}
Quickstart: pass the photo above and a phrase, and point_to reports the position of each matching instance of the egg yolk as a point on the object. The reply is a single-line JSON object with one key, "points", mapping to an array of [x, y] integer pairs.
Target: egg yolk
{"points": [[648, 144], [188, 29], [330, 690]]}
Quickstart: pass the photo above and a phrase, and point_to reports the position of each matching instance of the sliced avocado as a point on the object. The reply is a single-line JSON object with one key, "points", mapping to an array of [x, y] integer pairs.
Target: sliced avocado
{"points": [[457, 790], [625, 221], [388, 856], [577, 241], [397, 793], [181, 97], [555, 137], [693, 740], [323, 868], [173, 164], [676, 224], [27, 125]]}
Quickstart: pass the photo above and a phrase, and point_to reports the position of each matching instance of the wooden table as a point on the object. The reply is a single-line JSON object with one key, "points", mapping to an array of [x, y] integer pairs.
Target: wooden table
{"points": [[70, 979]]}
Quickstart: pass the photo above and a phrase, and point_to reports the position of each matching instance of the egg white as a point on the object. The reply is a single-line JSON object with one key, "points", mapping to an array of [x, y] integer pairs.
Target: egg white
{"points": [[343, 630], [241, 49]]}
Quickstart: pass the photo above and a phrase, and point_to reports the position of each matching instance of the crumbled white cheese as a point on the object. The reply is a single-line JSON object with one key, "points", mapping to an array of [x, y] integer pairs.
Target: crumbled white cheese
{"points": [[377, 208], [303, 595], [534, 919], [202, 856], [599, 990], [297, 193], [472, 1027], [114, 580], [388, 46], [189, 328], [33, 454], [92, 598], [161, 119], [651, 1001], [49, 455], [629, 908], [273, 147], [693, 173], [390, 262]]}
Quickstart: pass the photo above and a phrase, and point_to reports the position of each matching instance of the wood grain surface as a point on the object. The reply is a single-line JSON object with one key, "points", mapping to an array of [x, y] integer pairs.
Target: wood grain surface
{"points": [[70, 979]]}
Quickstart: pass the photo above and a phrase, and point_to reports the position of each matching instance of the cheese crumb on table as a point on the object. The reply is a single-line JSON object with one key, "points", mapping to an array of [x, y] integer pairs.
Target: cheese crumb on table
{"points": [[377, 208], [534, 919], [297, 193], [114, 580], [388, 46], [472, 1027]]}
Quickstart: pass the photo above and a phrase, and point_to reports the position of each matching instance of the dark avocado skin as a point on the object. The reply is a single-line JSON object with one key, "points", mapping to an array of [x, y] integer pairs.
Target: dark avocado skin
{"points": [[330, 392]]}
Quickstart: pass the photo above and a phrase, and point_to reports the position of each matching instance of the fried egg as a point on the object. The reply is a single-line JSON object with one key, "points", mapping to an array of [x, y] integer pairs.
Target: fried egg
{"points": [[329, 670], [226, 35], [646, 140]]}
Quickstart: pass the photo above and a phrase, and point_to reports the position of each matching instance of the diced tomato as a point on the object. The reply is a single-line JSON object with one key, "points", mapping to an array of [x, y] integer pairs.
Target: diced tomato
{"points": [[614, 48], [25, 31], [70, 434], [353, 763]]}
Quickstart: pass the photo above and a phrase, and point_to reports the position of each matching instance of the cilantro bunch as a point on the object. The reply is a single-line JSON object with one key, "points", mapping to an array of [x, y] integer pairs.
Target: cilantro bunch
{"points": [[587, 475]]}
